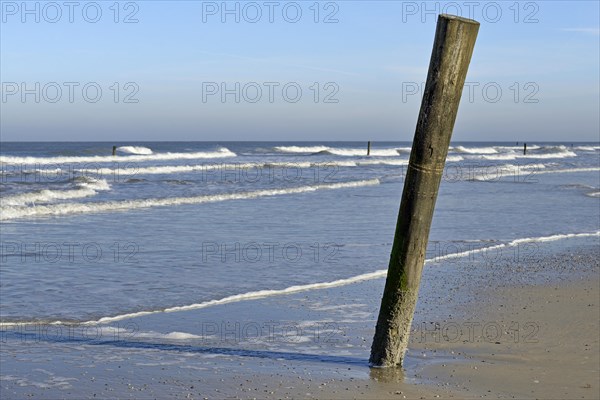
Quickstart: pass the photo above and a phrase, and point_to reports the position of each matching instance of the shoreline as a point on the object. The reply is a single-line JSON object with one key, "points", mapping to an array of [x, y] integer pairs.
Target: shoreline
{"points": [[318, 342]]}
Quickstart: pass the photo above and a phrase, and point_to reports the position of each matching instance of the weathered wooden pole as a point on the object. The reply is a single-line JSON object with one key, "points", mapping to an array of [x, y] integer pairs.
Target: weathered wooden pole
{"points": [[369, 148], [452, 50], [114, 153]]}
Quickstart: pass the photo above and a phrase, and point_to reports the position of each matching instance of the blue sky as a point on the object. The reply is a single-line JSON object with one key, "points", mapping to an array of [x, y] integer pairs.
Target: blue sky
{"points": [[534, 75]]}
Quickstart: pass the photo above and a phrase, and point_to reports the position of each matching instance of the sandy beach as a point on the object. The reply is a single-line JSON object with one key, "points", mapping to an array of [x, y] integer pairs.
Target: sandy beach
{"points": [[502, 330], [299, 200]]}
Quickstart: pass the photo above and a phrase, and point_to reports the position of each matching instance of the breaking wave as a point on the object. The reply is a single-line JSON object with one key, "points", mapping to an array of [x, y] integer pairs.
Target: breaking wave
{"points": [[134, 150], [14, 212], [347, 152], [85, 188], [220, 153]]}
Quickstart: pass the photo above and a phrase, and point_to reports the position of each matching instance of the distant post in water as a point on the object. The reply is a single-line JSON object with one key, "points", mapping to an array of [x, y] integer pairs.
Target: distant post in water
{"points": [[114, 150], [524, 148], [450, 58], [369, 148]]}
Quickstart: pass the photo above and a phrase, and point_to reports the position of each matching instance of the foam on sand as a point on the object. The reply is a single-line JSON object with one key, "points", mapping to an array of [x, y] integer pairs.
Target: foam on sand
{"points": [[13, 212], [312, 286]]}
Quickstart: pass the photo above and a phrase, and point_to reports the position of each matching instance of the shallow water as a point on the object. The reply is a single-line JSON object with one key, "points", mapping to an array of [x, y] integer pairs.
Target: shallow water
{"points": [[87, 236]]}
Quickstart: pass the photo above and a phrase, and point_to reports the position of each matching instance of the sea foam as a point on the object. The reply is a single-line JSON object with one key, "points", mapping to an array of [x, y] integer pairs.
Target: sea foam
{"points": [[134, 150], [220, 153], [13, 212], [85, 188]]}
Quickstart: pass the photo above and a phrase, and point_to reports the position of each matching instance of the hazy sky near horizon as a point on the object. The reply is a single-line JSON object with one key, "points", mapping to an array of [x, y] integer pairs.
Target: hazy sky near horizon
{"points": [[305, 70]]}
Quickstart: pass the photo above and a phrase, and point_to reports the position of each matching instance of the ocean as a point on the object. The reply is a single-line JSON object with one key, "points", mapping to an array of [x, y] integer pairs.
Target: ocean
{"points": [[92, 238]]}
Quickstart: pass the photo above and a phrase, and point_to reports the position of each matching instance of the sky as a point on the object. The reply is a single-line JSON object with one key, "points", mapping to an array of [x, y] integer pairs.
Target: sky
{"points": [[290, 71]]}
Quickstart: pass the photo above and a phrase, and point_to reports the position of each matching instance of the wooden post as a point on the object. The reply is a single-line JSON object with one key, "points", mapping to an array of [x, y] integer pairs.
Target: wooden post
{"points": [[369, 148], [452, 50], [524, 148], [114, 150]]}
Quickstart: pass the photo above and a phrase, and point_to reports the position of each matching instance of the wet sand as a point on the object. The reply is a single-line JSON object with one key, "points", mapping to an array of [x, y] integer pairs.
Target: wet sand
{"points": [[526, 329]]}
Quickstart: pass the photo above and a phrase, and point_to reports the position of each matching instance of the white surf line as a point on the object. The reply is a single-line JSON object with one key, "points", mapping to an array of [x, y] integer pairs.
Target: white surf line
{"points": [[565, 171], [341, 151], [311, 286], [220, 153], [85, 189], [45, 195], [474, 150], [9, 213], [528, 170], [171, 169]]}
